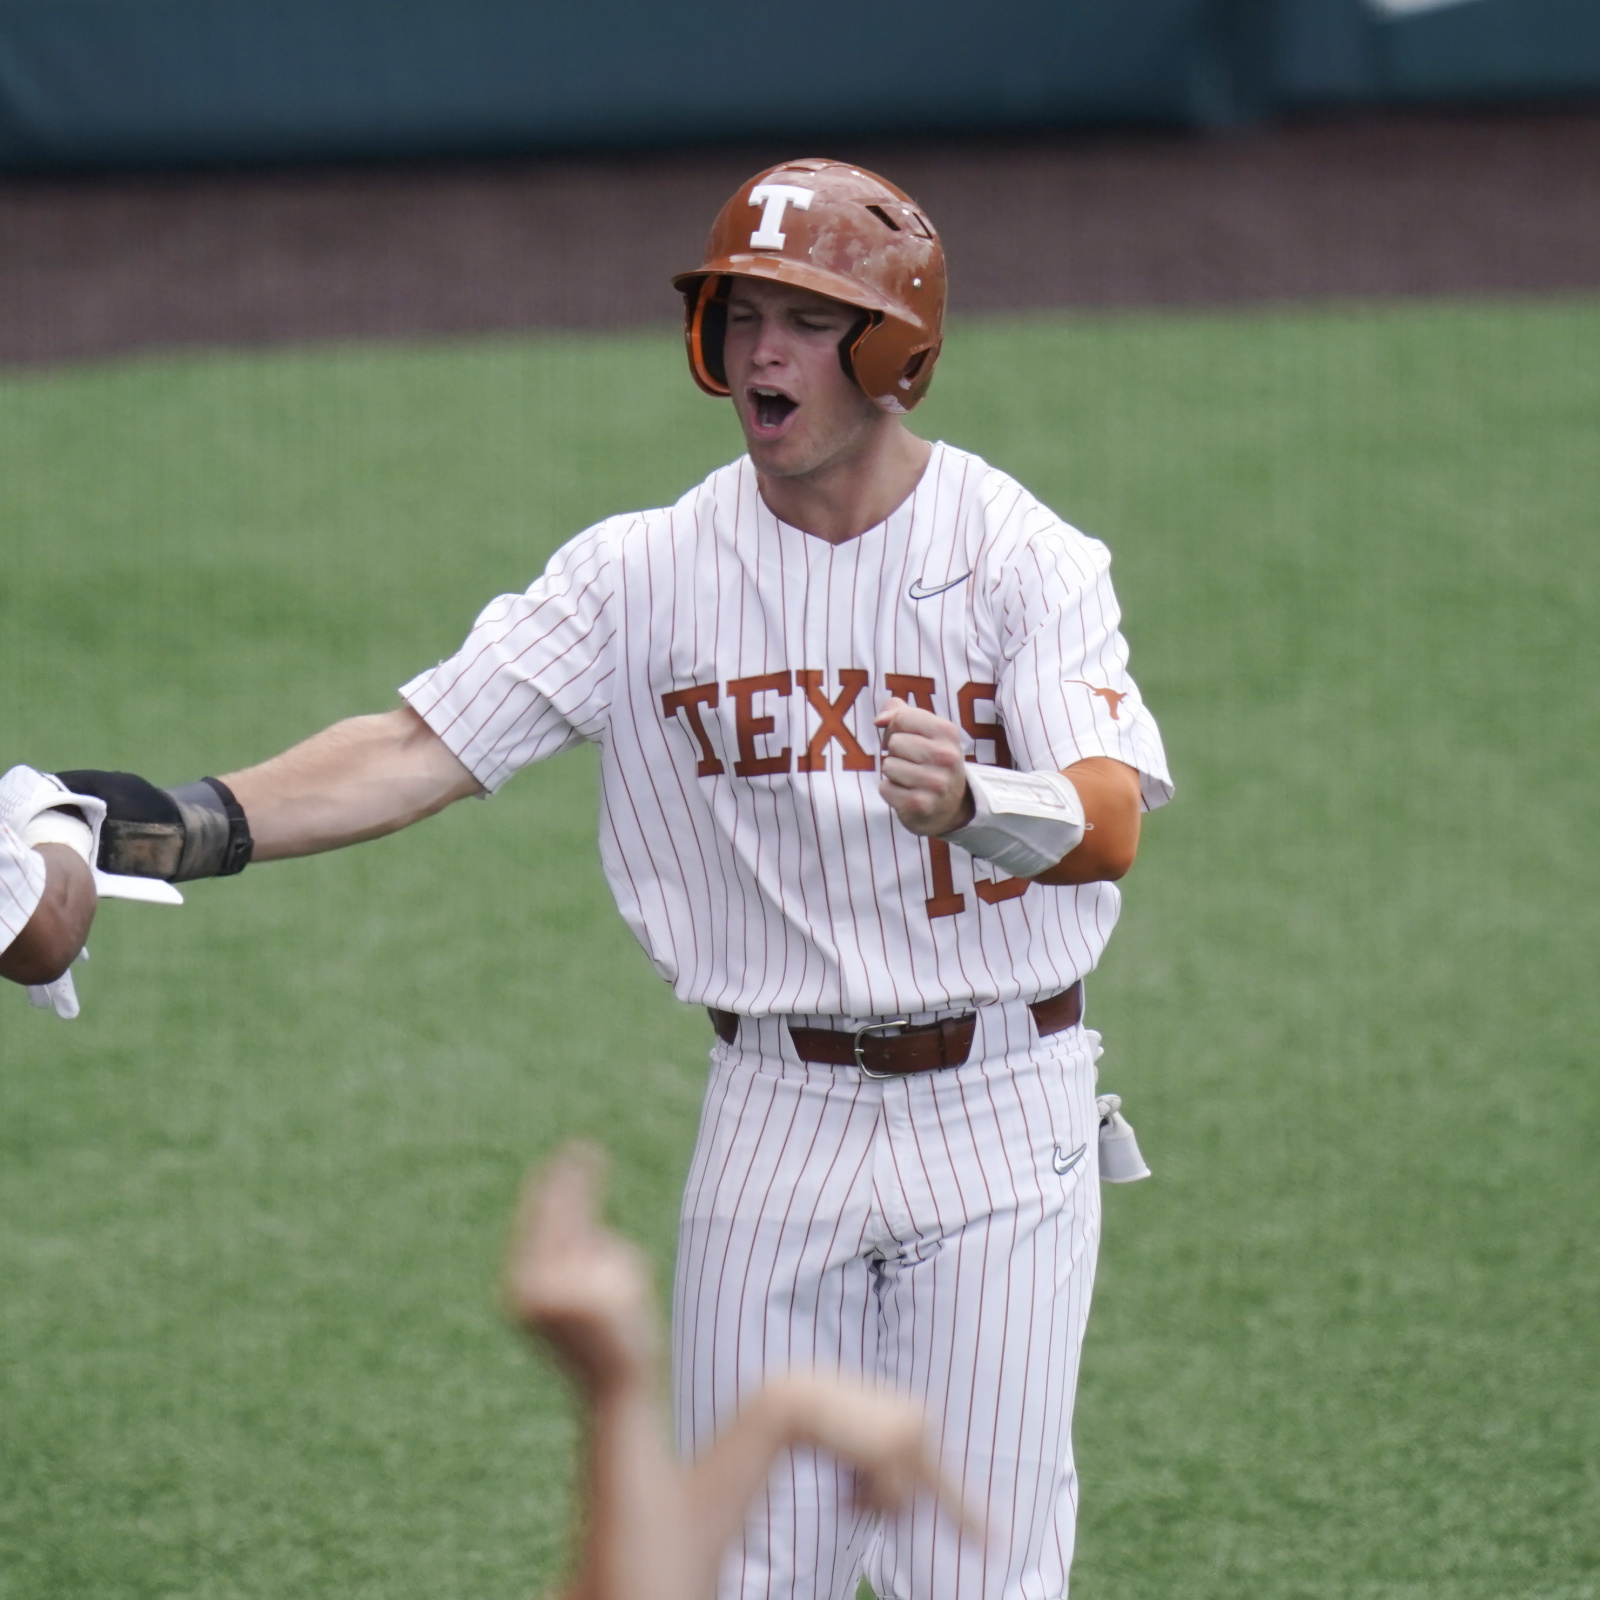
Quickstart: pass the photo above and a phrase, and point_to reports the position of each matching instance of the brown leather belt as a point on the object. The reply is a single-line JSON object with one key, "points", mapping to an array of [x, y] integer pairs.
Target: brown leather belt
{"points": [[920, 1047]]}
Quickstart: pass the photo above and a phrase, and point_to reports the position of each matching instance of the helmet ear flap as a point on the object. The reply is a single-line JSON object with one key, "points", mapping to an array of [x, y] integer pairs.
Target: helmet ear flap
{"points": [[706, 331], [884, 371], [713, 340], [851, 342], [913, 368]]}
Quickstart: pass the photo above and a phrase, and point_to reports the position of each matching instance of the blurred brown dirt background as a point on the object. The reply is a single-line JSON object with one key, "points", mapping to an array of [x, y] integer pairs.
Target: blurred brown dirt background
{"points": [[1395, 204]]}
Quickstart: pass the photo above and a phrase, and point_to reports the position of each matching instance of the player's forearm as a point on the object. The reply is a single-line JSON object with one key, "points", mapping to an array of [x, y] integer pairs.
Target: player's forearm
{"points": [[359, 779], [56, 931], [1112, 809]]}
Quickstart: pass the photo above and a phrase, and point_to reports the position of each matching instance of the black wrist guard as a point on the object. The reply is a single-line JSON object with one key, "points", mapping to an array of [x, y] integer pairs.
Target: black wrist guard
{"points": [[216, 842], [196, 831]]}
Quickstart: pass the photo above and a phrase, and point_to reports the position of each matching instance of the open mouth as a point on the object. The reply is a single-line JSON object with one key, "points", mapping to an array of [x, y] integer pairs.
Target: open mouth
{"points": [[772, 409]]}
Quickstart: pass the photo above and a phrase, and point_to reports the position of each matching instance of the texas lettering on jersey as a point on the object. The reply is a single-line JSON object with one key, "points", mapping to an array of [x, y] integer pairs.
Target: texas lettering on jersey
{"points": [[728, 668], [743, 694]]}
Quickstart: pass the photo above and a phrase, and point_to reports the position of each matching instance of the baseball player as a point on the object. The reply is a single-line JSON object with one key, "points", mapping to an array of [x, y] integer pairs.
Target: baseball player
{"points": [[871, 764], [47, 889], [50, 886], [653, 1528]]}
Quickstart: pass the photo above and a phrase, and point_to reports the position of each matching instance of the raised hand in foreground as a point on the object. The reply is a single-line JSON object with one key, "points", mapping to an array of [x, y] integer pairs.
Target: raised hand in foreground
{"points": [[654, 1527]]}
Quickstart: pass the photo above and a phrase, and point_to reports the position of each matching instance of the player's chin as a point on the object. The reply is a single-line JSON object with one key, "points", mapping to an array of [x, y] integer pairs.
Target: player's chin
{"points": [[783, 449]]}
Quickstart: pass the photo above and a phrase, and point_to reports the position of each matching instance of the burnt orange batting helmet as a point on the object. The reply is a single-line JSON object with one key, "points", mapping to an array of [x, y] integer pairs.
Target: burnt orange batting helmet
{"points": [[841, 232]]}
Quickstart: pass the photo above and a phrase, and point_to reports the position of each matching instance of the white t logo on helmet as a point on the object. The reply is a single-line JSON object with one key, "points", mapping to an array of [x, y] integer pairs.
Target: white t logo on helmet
{"points": [[775, 198]]}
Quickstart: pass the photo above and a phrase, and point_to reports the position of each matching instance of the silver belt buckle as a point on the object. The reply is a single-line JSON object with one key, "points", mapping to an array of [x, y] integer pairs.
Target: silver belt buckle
{"points": [[875, 1027]]}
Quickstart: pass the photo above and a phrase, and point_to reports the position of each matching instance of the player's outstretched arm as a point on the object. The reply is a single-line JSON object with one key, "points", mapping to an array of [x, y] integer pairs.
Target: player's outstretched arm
{"points": [[654, 1528], [52, 937], [359, 779]]}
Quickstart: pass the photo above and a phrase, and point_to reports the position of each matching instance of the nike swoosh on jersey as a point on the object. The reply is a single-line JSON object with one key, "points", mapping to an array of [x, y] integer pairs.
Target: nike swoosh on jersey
{"points": [[918, 591], [1065, 1164]]}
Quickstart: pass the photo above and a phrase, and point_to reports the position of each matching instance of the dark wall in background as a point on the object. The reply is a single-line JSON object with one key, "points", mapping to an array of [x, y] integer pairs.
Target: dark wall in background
{"points": [[1331, 51], [160, 82]]}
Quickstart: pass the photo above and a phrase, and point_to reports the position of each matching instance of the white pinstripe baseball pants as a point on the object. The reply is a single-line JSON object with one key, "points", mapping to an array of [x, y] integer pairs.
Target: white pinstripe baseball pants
{"points": [[915, 1230]]}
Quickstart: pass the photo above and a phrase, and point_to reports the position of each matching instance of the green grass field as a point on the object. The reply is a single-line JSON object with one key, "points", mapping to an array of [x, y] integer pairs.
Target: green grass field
{"points": [[1346, 1342]]}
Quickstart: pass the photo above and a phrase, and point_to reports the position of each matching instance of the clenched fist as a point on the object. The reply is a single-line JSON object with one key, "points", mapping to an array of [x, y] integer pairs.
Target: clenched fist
{"points": [[924, 769]]}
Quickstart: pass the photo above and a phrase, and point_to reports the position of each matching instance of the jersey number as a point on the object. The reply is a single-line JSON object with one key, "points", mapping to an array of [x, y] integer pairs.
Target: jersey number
{"points": [[946, 900]]}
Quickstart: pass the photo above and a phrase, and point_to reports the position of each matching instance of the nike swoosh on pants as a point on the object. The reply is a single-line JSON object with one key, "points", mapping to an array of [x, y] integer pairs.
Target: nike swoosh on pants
{"points": [[1065, 1164]]}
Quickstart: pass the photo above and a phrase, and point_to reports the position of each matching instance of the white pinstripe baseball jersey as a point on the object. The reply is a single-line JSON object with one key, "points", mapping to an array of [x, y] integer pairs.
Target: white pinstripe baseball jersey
{"points": [[730, 666], [21, 885]]}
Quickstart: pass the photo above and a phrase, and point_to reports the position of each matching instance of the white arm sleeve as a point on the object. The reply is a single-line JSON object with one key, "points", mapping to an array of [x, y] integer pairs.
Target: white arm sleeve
{"points": [[1024, 822]]}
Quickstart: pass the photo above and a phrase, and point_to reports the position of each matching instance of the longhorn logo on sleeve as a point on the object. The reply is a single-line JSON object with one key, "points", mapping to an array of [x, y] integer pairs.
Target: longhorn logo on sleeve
{"points": [[1112, 697]]}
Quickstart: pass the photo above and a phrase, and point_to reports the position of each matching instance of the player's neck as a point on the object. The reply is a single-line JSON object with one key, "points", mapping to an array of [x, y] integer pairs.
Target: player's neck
{"points": [[841, 500]]}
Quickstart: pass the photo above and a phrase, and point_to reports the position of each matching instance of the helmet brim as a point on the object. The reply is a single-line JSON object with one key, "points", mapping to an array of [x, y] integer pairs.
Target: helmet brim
{"points": [[799, 275]]}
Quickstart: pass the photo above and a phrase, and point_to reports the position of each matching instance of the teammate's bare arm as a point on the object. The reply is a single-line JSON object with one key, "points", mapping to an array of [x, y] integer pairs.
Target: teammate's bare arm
{"points": [[586, 1292], [925, 781], [359, 779], [881, 1435], [654, 1528], [52, 937]]}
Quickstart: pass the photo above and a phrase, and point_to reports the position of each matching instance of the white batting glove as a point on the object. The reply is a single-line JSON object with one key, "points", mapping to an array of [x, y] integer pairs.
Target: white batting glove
{"points": [[60, 996], [152, 891], [35, 807], [1120, 1161], [31, 805]]}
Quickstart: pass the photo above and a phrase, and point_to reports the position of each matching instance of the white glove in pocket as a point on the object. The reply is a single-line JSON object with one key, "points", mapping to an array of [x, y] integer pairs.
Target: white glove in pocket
{"points": [[1120, 1161]]}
